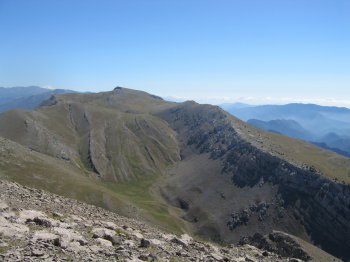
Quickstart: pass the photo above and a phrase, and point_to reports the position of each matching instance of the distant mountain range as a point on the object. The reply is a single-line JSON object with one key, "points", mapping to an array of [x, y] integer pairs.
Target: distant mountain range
{"points": [[286, 127], [26, 97], [325, 126]]}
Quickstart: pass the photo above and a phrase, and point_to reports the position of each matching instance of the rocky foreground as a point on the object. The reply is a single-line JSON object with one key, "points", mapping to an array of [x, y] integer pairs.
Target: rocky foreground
{"points": [[39, 226]]}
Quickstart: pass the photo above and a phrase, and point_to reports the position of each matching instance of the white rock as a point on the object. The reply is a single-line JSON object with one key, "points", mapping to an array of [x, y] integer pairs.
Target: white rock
{"points": [[67, 236], [134, 259], [3, 207], [67, 225], [129, 243], [102, 232], [76, 247], [156, 242], [109, 225], [76, 218], [217, 256], [12, 229], [104, 242], [9, 215], [214, 248], [37, 216], [250, 259], [137, 235], [45, 236], [94, 248], [168, 237], [186, 238], [30, 215]]}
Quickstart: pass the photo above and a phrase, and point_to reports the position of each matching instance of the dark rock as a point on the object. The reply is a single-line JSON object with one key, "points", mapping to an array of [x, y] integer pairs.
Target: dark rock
{"points": [[143, 257], [279, 243], [145, 243], [116, 240], [42, 222]]}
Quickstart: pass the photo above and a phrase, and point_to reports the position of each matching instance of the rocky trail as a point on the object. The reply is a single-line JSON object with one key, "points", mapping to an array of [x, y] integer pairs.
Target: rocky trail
{"points": [[39, 226]]}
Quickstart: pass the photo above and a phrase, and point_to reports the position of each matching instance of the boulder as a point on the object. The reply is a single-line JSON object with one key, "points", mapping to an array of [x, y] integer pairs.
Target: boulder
{"points": [[109, 225], [104, 242], [145, 243], [156, 242], [184, 240], [37, 253], [217, 256], [37, 217], [137, 235], [45, 237], [102, 233], [12, 230], [4, 207]]}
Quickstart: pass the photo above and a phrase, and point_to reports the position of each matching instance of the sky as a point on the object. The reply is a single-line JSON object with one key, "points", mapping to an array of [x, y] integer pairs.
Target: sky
{"points": [[253, 51]]}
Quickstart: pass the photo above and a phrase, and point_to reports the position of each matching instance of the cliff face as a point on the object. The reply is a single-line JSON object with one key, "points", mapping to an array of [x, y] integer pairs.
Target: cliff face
{"points": [[257, 191], [186, 167]]}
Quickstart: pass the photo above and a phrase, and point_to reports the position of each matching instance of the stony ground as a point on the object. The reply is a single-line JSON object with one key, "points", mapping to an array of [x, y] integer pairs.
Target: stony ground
{"points": [[40, 226]]}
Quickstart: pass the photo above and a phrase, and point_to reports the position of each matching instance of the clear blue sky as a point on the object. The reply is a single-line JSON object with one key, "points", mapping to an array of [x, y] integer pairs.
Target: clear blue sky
{"points": [[187, 48]]}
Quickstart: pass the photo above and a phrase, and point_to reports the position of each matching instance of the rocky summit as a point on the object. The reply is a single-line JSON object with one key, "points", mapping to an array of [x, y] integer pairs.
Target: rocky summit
{"points": [[40, 226]]}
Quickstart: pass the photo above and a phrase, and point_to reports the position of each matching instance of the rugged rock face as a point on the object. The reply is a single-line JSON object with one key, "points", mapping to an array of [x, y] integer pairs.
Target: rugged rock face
{"points": [[286, 246], [221, 179], [38, 226], [278, 242], [281, 195]]}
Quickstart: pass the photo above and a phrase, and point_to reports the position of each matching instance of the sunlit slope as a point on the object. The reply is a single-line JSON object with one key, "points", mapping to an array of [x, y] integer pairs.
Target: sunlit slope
{"points": [[32, 168], [116, 155], [302, 154], [183, 166], [116, 144]]}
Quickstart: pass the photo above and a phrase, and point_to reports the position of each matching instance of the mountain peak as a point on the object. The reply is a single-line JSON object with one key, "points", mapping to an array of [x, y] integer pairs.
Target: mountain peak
{"points": [[183, 166]]}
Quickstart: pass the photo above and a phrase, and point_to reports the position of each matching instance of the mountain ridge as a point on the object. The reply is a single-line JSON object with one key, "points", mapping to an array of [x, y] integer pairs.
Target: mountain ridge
{"points": [[183, 162], [26, 97]]}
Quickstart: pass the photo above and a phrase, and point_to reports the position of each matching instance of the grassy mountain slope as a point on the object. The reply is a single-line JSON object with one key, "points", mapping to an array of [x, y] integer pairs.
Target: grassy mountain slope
{"points": [[183, 166], [117, 145], [296, 151], [95, 138]]}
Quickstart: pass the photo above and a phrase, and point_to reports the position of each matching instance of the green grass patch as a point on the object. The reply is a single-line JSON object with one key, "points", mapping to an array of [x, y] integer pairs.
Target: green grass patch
{"points": [[122, 232], [34, 227], [3, 249], [139, 193]]}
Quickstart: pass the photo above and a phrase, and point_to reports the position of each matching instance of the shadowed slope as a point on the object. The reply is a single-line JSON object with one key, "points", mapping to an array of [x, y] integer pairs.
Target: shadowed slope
{"points": [[229, 178], [235, 180]]}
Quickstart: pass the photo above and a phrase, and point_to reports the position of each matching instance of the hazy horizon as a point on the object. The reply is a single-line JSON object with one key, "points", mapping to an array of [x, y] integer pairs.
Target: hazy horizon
{"points": [[237, 51], [249, 100]]}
